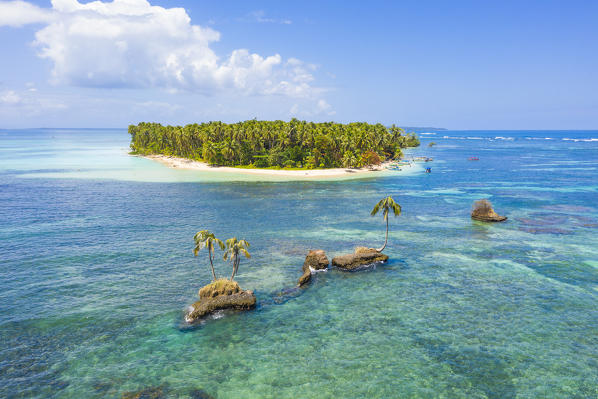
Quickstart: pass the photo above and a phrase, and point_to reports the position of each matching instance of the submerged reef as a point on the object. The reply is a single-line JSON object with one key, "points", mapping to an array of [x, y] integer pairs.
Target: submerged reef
{"points": [[146, 393], [164, 391], [554, 222]]}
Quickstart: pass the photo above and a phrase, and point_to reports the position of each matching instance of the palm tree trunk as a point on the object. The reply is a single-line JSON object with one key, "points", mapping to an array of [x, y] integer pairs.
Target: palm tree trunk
{"points": [[385, 240], [212, 264], [234, 268]]}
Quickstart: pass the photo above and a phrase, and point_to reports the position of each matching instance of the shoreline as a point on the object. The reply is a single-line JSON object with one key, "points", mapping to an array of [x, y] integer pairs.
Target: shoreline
{"points": [[188, 164]]}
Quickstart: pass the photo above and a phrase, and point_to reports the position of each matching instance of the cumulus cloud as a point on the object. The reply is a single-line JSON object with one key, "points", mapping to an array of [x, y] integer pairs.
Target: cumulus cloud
{"points": [[19, 13], [130, 43]]}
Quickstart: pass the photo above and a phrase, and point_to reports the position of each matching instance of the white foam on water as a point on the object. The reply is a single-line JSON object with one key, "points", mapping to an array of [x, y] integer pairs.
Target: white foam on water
{"points": [[577, 140], [217, 314]]}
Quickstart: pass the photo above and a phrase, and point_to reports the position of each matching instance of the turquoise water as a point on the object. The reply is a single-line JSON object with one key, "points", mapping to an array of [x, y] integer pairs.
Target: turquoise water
{"points": [[97, 270]]}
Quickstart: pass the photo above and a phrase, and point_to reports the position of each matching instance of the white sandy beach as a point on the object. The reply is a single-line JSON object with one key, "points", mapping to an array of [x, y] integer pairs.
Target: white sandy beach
{"points": [[187, 164]]}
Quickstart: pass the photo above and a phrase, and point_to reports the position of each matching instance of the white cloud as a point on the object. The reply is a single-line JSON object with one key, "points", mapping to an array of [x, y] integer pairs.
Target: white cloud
{"points": [[130, 43], [30, 86], [321, 108], [324, 106], [29, 101], [19, 13], [10, 97], [260, 16]]}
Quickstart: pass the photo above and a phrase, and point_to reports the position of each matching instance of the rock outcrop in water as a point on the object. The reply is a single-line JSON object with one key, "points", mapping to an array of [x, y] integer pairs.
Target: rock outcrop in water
{"points": [[219, 287], [305, 277], [316, 260], [361, 257], [482, 211], [219, 295]]}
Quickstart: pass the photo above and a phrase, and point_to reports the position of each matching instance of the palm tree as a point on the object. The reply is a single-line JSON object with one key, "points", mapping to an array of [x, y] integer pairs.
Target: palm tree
{"points": [[227, 151], [210, 152], [239, 143], [206, 239], [386, 204], [233, 248]]}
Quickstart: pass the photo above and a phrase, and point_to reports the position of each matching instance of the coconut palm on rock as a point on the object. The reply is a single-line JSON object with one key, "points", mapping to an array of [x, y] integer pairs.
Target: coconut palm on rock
{"points": [[386, 205], [235, 247], [206, 239]]}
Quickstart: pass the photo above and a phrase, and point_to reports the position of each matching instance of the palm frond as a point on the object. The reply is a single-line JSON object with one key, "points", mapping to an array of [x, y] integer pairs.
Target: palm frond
{"points": [[245, 252], [386, 204], [396, 208], [200, 235], [376, 208]]}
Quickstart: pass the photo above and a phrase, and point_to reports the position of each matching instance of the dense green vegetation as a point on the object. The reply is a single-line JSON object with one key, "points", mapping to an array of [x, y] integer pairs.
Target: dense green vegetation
{"points": [[261, 144]]}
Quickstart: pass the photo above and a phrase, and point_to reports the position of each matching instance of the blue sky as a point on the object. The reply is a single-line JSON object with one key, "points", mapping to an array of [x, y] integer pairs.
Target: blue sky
{"points": [[459, 65]]}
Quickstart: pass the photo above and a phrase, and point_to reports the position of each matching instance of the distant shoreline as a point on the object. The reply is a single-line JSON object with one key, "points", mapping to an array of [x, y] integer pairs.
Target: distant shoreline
{"points": [[188, 164]]}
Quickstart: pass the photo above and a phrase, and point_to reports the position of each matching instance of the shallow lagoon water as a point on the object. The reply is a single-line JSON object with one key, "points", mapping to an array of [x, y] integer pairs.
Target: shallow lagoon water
{"points": [[97, 269]]}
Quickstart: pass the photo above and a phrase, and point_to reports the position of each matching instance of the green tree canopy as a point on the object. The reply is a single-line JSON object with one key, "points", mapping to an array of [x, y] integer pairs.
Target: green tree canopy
{"points": [[274, 143]]}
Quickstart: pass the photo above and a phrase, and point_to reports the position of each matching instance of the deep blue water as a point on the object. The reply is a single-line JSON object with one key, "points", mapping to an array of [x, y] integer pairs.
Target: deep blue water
{"points": [[96, 269]]}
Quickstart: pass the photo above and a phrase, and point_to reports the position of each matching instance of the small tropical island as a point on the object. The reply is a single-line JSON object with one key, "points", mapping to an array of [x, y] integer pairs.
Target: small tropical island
{"points": [[226, 294], [292, 147], [220, 293]]}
